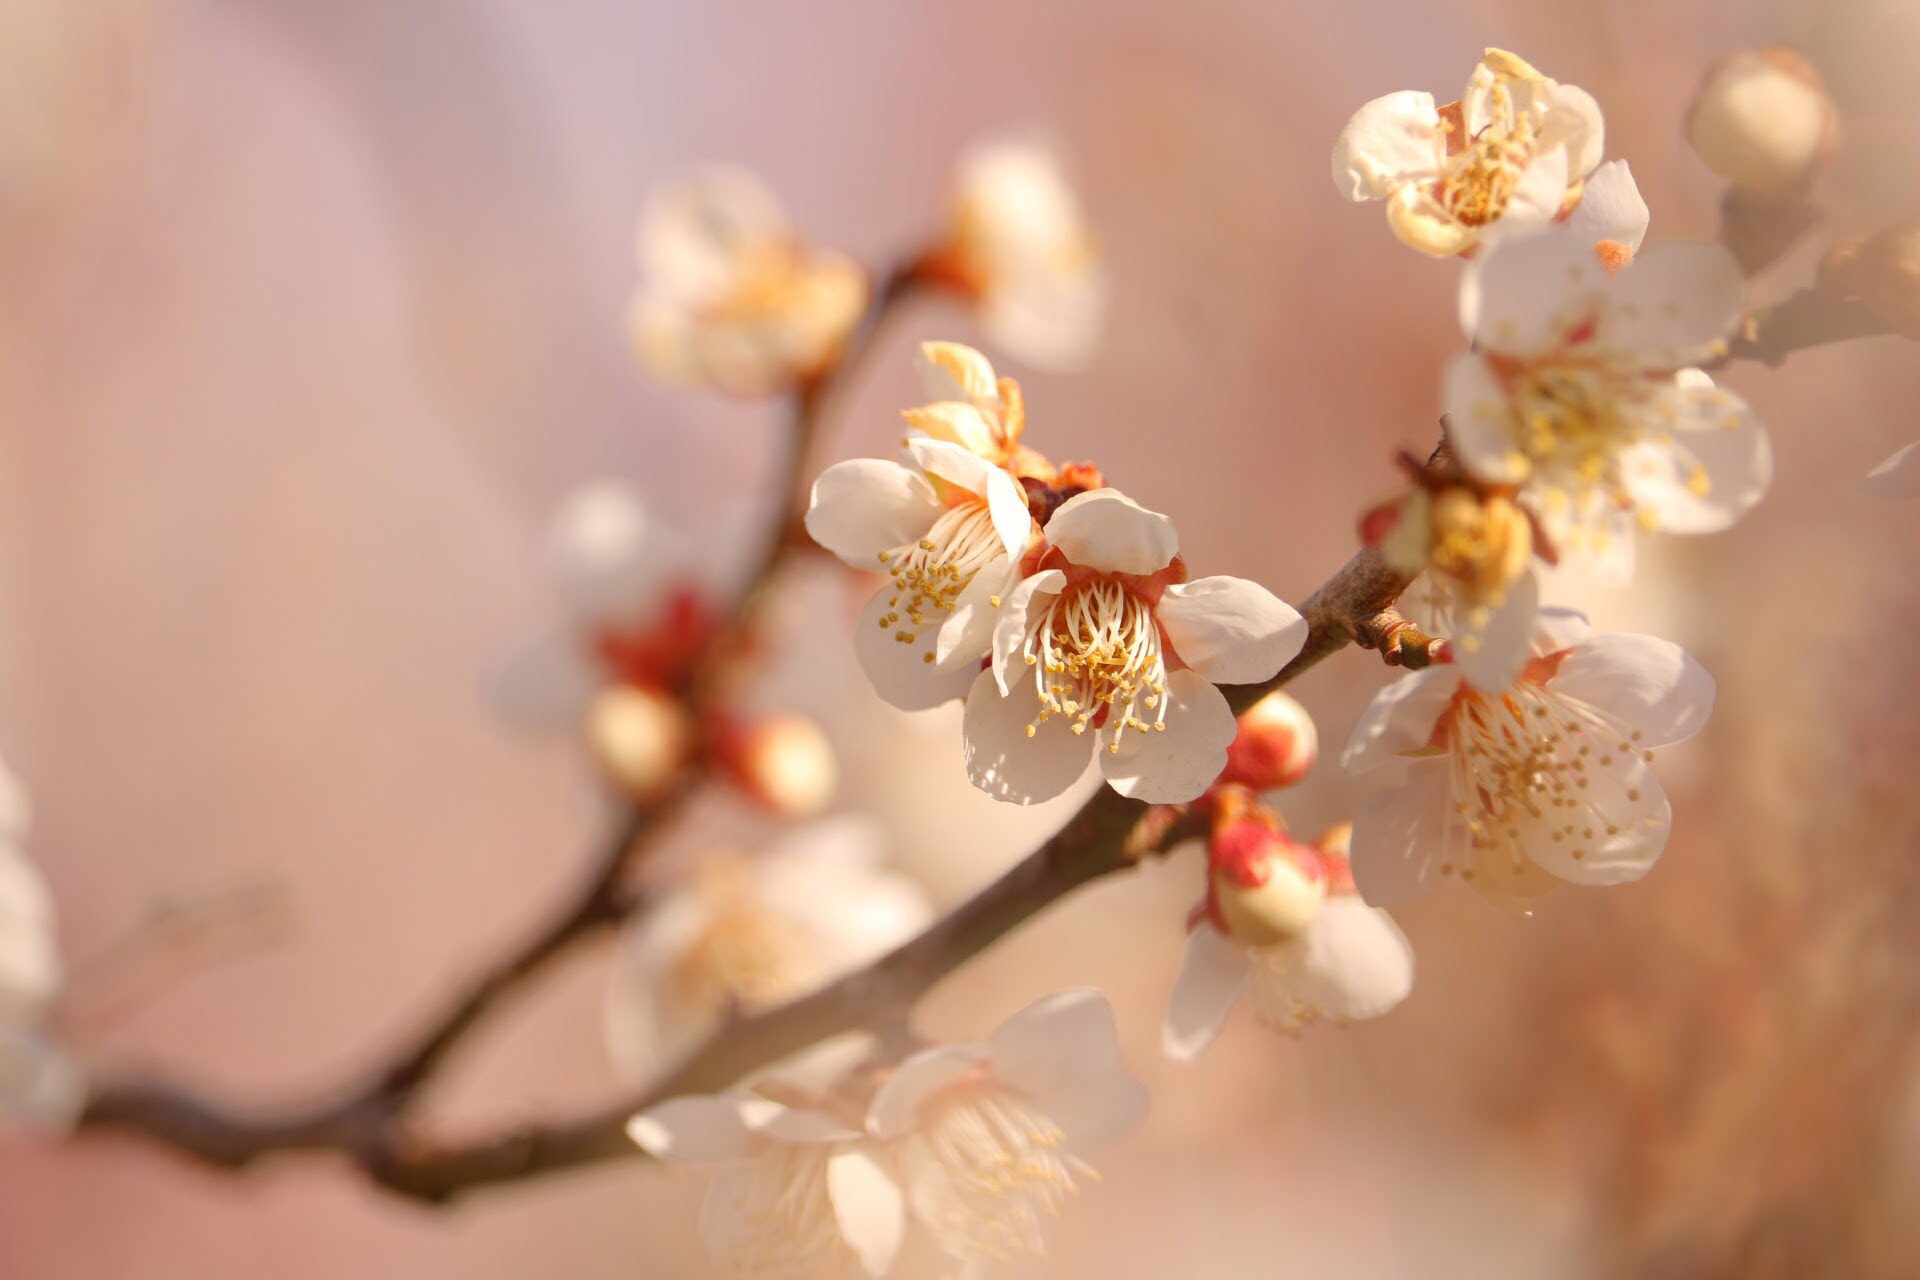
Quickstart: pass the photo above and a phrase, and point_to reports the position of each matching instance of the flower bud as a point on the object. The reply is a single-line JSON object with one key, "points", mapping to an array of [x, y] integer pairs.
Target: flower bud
{"points": [[784, 762], [1275, 745], [1265, 887], [1762, 121], [638, 736]]}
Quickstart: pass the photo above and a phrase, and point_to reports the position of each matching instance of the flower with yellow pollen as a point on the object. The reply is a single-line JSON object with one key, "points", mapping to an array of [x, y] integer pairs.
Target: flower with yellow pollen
{"points": [[731, 296], [1107, 650], [1515, 790], [1580, 392], [949, 531], [961, 1153], [736, 933], [1511, 154], [1282, 923], [1020, 248]]}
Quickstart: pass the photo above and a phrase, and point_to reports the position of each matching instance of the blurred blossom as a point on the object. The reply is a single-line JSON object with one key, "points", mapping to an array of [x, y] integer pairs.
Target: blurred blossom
{"points": [[738, 932], [970, 1146], [40, 1087], [1511, 154], [1109, 637], [1021, 248], [1282, 922], [1579, 391], [731, 296], [1762, 121], [1274, 745], [1518, 790], [783, 761]]}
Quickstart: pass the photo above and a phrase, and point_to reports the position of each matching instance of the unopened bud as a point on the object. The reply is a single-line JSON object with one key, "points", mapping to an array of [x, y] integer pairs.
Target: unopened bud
{"points": [[1266, 888], [783, 761], [1275, 745], [1882, 270], [1762, 121], [638, 736]]}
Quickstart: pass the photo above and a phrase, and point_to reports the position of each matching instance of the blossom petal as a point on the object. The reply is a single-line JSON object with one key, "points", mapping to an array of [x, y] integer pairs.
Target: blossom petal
{"points": [[1651, 686], [1391, 141], [1010, 632], [1480, 422], [1400, 719], [1626, 818], [1230, 630], [1674, 304], [896, 1104], [1537, 195], [1557, 629], [1213, 972], [1353, 962], [1007, 764], [1006, 501], [29, 961], [1897, 477], [1575, 128], [865, 506], [954, 422], [953, 371], [693, 232], [1532, 292], [900, 672], [870, 1208], [967, 635], [1611, 208], [1175, 764], [1106, 530], [815, 1071], [1490, 644], [1716, 466], [1056, 1043], [1052, 319], [1400, 836]]}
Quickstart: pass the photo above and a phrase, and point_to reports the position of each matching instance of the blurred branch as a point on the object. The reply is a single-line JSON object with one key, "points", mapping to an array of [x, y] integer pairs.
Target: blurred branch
{"points": [[1809, 318], [1355, 605]]}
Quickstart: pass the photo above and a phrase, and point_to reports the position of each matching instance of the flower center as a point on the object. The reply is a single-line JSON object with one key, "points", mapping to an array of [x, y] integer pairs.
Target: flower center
{"points": [[999, 1171], [1097, 659], [769, 274], [929, 575], [747, 956], [1480, 178], [786, 1223], [1480, 545], [1522, 769]]}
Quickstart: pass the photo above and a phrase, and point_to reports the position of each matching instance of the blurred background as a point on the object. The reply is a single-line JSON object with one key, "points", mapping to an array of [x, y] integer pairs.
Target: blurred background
{"points": [[311, 309]]}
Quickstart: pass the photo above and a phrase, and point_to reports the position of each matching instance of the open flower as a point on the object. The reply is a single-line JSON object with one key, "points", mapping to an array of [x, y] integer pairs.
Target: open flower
{"points": [[731, 296], [974, 409], [1580, 393], [40, 1086], [1020, 247], [1283, 923], [740, 933], [1107, 645], [949, 531], [1519, 789], [970, 1147], [1510, 154]]}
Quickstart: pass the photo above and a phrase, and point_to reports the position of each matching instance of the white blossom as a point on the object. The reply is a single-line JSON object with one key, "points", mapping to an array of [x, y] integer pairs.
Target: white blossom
{"points": [[1106, 650], [967, 1147], [41, 1088], [1762, 121], [744, 932], [1511, 154], [1580, 393], [1284, 925], [949, 528], [1020, 245], [730, 295], [1516, 790]]}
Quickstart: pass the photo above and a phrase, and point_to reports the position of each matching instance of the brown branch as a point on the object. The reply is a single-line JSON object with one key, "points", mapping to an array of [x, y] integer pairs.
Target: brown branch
{"points": [[1805, 319], [1355, 605]]}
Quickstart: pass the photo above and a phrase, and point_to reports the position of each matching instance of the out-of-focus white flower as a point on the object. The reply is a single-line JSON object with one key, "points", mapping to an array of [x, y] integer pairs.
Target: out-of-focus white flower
{"points": [[1762, 121], [784, 761], [1275, 744], [1283, 923], [627, 612], [1020, 246], [746, 932], [41, 1088], [730, 294], [1516, 790], [970, 1146], [1511, 154], [1897, 477], [1579, 393], [950, 531], [1108, 643]]}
